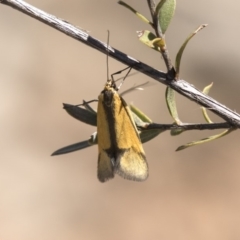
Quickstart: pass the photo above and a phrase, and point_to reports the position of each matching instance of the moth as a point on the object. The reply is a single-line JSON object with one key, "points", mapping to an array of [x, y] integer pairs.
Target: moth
{"points": [[119, 146]]}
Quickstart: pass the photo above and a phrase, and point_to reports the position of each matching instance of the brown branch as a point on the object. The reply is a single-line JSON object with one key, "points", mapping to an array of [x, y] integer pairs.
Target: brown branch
{"points": [[152, 6], [181, 86], [187, 126], [158, 31]]}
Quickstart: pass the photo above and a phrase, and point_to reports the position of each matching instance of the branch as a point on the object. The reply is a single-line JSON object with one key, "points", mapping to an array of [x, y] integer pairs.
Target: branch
{"points": [[180, 86], [152, 6], [186, 126]]}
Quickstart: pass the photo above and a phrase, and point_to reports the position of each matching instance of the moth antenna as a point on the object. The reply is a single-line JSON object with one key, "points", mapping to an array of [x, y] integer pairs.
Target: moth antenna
{"points": [[107, 53]]}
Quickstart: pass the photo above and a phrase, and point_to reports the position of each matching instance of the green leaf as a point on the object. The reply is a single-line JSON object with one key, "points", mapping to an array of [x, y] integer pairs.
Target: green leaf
{"points": [[84, 115], [205, 140], [171, 104], [165, 11], [180, 52], [148, 135], [204, 110], [72, 148], [145, 135], [77, 146], [140, 114], [135, 12], [175, 132], [159, 42], [147, 38], [206, 90], [172, 108]]}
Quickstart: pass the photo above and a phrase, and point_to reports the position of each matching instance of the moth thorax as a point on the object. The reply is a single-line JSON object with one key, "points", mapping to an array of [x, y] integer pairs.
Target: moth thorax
{"points": [[108, 97]]}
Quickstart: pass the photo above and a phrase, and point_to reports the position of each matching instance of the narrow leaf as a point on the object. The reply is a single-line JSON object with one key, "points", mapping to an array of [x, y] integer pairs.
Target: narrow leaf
{"points": [[180, 52], [204, 140], [140, 120], [72, 148], [81, 114], [171, 104], [148, 135], [135, 12], [140, 114], [204, 110], [77, 146]]}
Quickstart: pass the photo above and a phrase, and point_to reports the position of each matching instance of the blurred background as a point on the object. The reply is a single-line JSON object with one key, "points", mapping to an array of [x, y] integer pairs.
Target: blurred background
{"points": [[191, 194]]}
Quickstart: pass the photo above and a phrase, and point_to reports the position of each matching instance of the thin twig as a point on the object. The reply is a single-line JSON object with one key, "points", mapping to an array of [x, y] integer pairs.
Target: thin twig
{"points": [[187, 126], [152, 6], [158, 31], [181, 86]]}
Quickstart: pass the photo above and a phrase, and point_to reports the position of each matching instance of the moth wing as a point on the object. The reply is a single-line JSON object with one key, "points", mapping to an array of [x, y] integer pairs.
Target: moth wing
{"points": [[131, 163], [105, 167]]}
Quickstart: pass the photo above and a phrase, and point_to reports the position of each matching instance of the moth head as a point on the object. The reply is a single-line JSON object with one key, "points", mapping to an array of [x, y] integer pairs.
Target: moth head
{"points": [[108, 94], [111, 85]]}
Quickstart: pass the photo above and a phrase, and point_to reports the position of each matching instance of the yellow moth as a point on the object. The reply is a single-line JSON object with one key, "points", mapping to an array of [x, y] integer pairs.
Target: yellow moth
{"points": [[119, 145]]}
